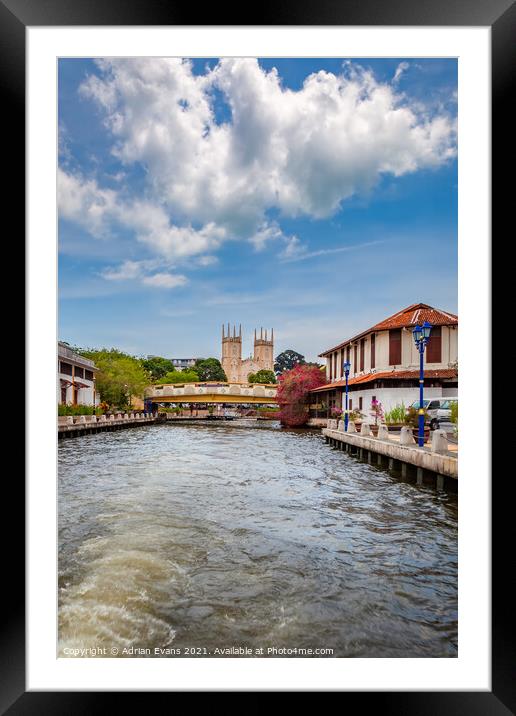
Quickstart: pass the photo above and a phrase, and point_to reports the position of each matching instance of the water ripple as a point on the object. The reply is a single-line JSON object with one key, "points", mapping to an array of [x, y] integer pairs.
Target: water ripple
{"points": [[224, 535]]}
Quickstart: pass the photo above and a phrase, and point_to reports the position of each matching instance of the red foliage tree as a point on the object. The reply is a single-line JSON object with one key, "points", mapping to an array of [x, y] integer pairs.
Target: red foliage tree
{"points": [[294, 393]]}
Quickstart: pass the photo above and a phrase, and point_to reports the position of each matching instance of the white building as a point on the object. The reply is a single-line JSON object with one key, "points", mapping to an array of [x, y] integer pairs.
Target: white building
{"points": [[385, 362], [75, 378], [183, 363]]}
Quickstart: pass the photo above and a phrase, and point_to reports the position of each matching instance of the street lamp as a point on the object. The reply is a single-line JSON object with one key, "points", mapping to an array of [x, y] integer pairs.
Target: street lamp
{"points": [[346, 367], [421, 335]]}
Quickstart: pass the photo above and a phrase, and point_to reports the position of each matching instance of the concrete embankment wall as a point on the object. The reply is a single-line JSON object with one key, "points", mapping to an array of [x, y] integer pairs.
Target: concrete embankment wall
{"points": [[440, 468], [76, 425]]}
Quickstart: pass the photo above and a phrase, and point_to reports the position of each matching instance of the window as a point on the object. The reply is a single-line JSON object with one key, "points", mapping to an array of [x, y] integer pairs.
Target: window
{"points": [[355, 358], [415, 404], [433, 405], [79, 372], [63, 395], [395, 347], [348, 354], [88, 374], [373, 350], [330, 366], [362, 354], [66, 368], [433, 347], [360, 403], [350, 402]]}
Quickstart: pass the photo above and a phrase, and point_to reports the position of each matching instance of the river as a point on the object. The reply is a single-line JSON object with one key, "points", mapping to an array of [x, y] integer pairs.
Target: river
{"points": [[206, 537]]}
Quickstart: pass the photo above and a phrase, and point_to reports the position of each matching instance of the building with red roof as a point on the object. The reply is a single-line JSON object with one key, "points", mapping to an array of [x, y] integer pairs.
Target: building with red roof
{"points": [[385, 362]]}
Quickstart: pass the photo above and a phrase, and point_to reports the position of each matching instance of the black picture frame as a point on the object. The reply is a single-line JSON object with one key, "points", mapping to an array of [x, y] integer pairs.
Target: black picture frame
{"points": [[15, 17]]}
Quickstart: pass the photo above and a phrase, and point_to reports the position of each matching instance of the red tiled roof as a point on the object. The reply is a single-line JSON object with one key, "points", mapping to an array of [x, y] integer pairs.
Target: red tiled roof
{"points": [[410, 316], [391, 375]]}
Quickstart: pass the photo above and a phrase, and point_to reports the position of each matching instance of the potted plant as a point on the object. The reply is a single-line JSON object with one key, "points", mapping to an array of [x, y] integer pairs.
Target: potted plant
{"points": [[377, 414], [455, 418], [395, 418], [412, 420], [355, 416]]}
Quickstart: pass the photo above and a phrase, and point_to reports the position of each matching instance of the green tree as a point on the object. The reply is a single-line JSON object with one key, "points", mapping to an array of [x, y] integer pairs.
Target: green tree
{"points": [[157, 366], [288, 360], [119, 377], [209, 369], [179, 376], [262, 376]]}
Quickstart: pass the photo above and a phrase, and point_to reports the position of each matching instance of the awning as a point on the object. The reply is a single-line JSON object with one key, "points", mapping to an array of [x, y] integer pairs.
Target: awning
{"points": [[65, 383], [81, 385], [443, 373]]}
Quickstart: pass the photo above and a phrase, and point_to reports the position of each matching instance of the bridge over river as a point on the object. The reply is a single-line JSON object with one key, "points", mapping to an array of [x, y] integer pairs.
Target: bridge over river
{"points": [[213, 392]]}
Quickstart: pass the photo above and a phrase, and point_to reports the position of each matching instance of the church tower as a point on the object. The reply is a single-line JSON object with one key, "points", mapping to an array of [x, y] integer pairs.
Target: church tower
{"points": [[232, 353], [264, 350]]}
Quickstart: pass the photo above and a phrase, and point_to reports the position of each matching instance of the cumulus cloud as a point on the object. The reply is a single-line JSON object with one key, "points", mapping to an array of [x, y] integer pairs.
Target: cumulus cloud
{"points": [[142, 272], [265, 233], [295, 152], [98, 210]]}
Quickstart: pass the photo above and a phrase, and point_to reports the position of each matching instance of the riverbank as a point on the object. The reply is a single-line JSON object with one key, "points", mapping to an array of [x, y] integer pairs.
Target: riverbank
{"points": [[69, 426]]}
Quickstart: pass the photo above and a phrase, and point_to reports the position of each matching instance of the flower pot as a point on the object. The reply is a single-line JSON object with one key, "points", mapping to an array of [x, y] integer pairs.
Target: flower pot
{"points": [[394, 427], [374, 430], [415, 433]]}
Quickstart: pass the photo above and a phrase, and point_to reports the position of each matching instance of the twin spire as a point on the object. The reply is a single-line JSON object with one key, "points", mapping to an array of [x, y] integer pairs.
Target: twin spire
{"points": [[263, 334]]}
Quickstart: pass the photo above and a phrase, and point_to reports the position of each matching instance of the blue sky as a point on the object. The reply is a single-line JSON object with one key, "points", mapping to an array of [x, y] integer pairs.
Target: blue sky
{"points": [[313, 196]]}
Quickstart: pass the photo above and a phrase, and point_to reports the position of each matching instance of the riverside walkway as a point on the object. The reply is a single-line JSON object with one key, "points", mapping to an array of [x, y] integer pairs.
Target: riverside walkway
{"points": [[436, 464], [75, 425]]}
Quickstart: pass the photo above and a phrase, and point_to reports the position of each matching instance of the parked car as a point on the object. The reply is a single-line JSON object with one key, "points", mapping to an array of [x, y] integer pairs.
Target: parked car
{"points": [[438, 410]]}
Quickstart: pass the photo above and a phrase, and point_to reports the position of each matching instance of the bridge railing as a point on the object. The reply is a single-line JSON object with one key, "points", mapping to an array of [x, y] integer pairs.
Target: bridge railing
{"points": [[243, 390]]}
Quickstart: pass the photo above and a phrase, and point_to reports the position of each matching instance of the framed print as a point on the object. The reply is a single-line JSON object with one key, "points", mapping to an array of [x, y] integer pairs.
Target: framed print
{"points": [[251, 245]]}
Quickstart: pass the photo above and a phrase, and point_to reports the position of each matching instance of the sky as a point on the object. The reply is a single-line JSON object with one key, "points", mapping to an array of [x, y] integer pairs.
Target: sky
{"points": [[315, 197]]}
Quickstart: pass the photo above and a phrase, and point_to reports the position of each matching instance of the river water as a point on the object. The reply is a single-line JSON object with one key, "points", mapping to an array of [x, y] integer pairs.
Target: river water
{"points": [[231, 536]]}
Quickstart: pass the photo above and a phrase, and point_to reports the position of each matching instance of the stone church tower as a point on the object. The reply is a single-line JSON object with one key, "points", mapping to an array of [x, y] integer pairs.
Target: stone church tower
{"points": [[236, 369]]}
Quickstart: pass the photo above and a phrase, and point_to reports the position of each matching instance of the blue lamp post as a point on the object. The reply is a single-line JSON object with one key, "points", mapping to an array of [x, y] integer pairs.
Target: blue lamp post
{"points": [[346, 367], [421, 335]]}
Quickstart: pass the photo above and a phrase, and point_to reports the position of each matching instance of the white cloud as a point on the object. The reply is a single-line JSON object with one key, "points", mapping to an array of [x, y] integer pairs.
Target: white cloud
{"points": [[266, 232], [293, 249], [83, 201], [141, 271], [207, 260], [400, 69], [126, 271], [165, 280], [299, 153]]}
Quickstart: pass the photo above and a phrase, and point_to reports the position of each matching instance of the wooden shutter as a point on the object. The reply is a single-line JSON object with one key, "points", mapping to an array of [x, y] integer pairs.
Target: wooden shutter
{"points": [[433, 347], [362, 354], [355, 358], [373, 350], [395, 347]]}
